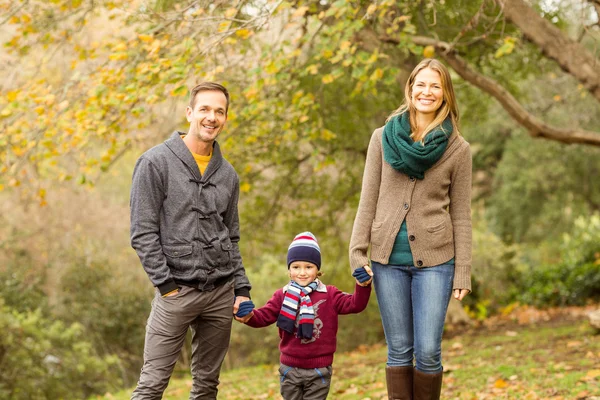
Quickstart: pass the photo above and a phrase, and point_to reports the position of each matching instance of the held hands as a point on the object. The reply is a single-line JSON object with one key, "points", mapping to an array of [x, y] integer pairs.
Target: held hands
{"points": [[363, 275], [243, 309]]}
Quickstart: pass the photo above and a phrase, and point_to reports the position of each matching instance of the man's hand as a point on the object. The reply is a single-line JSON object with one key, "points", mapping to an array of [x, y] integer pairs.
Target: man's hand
{"points": [[460, 294], [236, 306], [244, 319], [172, 293]]}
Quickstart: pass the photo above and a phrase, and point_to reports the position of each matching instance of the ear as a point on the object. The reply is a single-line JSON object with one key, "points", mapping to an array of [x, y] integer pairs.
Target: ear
{"points": [[188, 113]]}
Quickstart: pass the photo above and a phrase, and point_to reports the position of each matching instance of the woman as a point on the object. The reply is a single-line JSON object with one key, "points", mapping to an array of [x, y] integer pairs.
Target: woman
{"points": [[415, 214]]}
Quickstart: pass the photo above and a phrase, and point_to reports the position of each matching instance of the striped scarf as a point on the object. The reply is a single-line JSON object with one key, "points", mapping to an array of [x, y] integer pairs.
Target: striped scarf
{"points": [[295, 295]]}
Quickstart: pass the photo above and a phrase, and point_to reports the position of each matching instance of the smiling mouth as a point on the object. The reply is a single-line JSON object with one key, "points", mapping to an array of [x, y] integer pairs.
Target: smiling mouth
{"points": [[209, 127], [426, 101]]}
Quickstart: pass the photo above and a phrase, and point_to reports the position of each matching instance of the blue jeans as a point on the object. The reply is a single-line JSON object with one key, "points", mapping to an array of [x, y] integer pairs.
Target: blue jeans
{"points": [[413, 303]]}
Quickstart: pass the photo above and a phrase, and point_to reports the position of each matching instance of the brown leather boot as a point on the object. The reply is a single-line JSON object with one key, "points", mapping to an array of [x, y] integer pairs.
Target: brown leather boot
{"points": [[427, 386], [399, 383]]}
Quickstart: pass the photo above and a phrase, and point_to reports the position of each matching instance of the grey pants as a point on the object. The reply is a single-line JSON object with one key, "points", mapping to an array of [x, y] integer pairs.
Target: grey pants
{"points": [[209, 315], [304, 384]]}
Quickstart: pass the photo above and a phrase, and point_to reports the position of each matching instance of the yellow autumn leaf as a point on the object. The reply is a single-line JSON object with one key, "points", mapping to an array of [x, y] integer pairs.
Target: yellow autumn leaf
{"points": [[119, 47], [117, 56], [145, 38], [500, 384], [223, 26], [327, 79], [377, 74], [428, 51], [245, 187], [556, 97], [371, 9], [12, 95], [327, 54], [243, 33], [326, 134], [312, 69]]}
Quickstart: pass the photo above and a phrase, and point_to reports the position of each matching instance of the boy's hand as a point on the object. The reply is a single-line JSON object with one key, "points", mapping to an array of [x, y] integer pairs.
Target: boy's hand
{"points": [[363, 275]]}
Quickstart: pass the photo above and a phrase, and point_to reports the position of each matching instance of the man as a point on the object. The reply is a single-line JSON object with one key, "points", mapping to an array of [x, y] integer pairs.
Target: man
{"points": [[185, 229]]}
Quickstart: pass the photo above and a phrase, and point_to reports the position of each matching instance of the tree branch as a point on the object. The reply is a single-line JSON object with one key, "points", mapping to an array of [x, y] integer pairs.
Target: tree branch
{"points": [[535, 126], [16, 10], [570, 55]]}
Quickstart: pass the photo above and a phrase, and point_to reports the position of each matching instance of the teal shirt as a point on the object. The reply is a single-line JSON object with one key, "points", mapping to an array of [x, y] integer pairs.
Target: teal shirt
{"points": [[401, 254]]}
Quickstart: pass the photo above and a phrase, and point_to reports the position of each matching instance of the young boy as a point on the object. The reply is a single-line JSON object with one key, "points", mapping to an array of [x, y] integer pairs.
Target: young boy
{"points": [[306, 312]]}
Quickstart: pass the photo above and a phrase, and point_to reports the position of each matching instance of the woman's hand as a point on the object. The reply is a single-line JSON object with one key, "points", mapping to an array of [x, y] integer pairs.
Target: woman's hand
{"points": [[460, 294], [366, 282]]}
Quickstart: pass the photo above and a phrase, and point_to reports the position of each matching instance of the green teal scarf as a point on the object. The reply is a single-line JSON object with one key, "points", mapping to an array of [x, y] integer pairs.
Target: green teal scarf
{"points": [[410, 157]]}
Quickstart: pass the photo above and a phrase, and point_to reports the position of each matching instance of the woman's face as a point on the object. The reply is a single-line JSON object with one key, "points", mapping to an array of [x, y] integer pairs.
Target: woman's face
{"points": [[427, 93]]}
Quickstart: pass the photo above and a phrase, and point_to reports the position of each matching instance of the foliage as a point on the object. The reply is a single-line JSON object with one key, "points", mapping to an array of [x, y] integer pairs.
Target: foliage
{"points": [[495, 270], [22, 283], [43, 359], [111, 307], [575, 279]]}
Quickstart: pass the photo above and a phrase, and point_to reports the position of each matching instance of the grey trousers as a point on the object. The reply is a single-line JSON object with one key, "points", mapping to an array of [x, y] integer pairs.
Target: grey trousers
{"points": [[304, 384], [209, 315]]}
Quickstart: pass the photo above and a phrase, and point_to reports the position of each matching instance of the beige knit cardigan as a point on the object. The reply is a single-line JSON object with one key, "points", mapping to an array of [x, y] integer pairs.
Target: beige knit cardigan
{"points": [[437, 211]]}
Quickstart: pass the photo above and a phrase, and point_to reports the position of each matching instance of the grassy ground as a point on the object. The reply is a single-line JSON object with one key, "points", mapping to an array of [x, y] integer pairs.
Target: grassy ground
{"points": [[554, 359]]}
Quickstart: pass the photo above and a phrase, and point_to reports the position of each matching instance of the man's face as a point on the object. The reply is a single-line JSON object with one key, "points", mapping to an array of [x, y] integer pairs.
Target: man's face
{"points": [[208, 116]]}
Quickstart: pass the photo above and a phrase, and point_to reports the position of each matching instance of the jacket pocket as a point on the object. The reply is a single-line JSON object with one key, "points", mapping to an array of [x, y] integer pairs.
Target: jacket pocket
{"points": [[178, 256], [440, 234], [437, 227], [376, 235], [216, 254]]}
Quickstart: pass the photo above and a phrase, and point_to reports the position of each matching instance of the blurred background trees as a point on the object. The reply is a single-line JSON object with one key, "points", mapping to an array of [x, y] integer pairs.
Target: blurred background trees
{"points": [[87, 86]]}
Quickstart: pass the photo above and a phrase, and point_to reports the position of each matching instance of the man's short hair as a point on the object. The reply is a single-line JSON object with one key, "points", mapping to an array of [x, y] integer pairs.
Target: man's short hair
{"points": [[208, 86]]}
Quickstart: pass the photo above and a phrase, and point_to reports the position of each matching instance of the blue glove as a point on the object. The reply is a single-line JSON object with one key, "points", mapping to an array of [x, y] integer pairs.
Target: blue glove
{"points": [[245, 308], [361, 274]]}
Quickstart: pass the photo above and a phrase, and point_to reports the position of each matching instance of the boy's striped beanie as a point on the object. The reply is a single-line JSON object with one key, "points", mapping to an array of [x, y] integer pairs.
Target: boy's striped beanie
{"points": [[304, 247]]}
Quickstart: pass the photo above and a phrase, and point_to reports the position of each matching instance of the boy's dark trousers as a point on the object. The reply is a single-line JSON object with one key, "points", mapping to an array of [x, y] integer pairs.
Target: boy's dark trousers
{"points": [[209, 315], [304, 384]]}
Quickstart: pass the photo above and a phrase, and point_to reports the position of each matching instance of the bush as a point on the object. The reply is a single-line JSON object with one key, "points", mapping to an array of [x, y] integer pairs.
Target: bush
{"points": [[43, 360], [575, 279], [22, 283], [112, 308]]}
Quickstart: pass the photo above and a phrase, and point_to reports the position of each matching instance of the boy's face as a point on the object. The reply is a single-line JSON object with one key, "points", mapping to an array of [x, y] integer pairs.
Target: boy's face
{"points": [[303, 272]]}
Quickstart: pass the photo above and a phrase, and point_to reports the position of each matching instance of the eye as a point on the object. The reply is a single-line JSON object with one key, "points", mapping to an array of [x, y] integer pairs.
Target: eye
{"points": [[221, 112]]}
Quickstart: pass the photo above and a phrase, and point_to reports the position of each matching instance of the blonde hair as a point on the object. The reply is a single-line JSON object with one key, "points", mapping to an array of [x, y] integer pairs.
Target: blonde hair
{"points": [[448, 107]]}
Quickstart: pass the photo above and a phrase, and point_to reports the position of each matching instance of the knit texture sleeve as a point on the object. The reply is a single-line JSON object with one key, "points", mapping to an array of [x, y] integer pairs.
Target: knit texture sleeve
{"points": [[361, 232], [460, 212], [267, 314], [232, 221], [346, 303], [147, 196]]}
